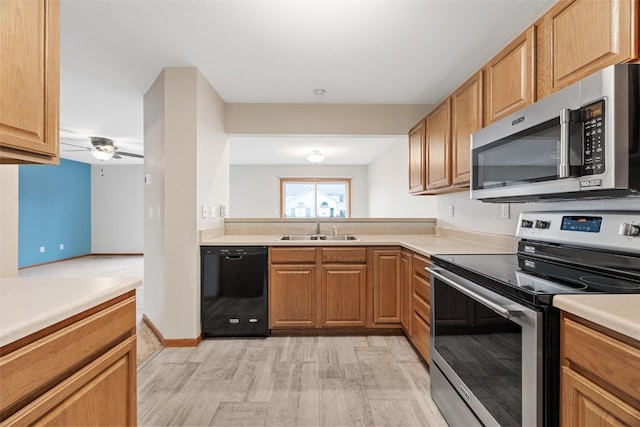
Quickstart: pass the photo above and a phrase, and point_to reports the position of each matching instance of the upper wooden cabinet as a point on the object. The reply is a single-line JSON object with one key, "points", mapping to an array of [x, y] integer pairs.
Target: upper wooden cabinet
{"points": [[29, 81], [580, 37], [510, 78], [417, 158], [466, 118], [438, 146]]}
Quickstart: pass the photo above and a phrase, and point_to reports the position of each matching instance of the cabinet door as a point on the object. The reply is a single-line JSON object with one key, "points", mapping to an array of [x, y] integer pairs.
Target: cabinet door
{"points": [[584, 403], [588, 35], [292, 296], [386, 286], [417, 158], [466, 118], [29, 82], [510, 78], [406, 273], [438, 143], [101, 393], [343, 301]]}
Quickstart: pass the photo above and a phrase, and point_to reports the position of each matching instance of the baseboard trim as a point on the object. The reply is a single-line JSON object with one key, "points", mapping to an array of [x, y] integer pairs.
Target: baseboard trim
{"points": [[74, 257], [181, 342]]}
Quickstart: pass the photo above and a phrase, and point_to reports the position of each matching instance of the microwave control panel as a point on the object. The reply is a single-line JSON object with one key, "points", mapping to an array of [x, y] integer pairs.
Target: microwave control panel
{"points": [[593, 136]]}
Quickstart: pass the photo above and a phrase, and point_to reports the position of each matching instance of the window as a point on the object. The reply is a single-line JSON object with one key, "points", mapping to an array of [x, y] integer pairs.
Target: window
{"points": [[315, 197]]}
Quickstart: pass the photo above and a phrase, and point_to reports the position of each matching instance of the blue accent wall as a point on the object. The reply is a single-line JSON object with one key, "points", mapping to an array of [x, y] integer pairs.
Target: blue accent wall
{"points": [[54, 207]]}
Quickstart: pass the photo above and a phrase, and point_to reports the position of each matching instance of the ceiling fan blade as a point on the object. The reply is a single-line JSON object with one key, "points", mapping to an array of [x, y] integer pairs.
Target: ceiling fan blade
{"points": [[116, 156], [74, 145], [69, 151], [123, 153]]}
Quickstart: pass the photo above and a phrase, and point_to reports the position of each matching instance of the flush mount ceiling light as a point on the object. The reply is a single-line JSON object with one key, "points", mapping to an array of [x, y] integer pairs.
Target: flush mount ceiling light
{"points": [[315, 157], [319, 91]]}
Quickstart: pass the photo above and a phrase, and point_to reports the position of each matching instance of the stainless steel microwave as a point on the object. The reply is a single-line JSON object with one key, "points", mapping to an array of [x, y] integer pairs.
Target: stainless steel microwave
{"points": [[582, 141]]}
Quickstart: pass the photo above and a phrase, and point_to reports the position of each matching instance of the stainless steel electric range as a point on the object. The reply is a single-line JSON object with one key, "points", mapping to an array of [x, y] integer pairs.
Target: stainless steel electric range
{"points": [[494, 332]]}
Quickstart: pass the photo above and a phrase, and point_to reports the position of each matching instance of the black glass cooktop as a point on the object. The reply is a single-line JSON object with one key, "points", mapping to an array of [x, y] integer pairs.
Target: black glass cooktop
{"points": [[535, 280]]}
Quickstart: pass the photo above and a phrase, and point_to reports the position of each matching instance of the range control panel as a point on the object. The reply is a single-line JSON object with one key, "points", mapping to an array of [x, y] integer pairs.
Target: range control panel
{"points": [[615, 230]]}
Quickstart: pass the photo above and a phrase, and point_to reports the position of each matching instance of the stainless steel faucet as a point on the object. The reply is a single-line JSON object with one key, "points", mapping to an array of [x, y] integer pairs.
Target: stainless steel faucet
{"points": [[317, 227]]}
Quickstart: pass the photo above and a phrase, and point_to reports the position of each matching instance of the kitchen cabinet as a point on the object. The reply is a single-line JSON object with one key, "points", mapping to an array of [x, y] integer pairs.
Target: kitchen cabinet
{"points": [[292, 287], [420, 305], [385, 272], [466, 118], [509, 78], [417, 158], [317, 287], [81, 371], [344, 287], [600, 375], [406, 275], [29, 81], [438, 147], [579, 37]]}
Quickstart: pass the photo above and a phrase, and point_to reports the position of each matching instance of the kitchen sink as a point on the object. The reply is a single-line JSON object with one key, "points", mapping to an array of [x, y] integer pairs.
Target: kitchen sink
{"points": [[343, 237]]}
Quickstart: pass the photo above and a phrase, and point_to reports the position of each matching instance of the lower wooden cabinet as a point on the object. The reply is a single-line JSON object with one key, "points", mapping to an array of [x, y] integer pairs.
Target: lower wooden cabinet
{"points": [[386, 286], [406, 275], [600, 376], [420, 305], [81, 373], [317, 287], [343, 300], [292, 295]]}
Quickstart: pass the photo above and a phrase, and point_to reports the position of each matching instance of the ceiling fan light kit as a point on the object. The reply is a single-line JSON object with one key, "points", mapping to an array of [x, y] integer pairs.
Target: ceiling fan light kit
{"points": [[104, 149], [102, 155]]}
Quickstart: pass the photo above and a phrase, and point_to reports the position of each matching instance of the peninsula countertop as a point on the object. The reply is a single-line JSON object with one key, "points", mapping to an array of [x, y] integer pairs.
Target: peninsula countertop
{"points": [[30, 304]]}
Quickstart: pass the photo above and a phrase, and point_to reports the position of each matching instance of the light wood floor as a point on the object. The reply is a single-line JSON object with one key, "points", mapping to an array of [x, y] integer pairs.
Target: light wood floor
{"points": [[288, 381]]}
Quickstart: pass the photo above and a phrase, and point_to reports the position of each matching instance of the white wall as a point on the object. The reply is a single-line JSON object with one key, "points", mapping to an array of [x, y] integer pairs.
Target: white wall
{"points": [[389, 186], [117, 209], [154, 238], [255, 189], [184, 143], [8, 220]]}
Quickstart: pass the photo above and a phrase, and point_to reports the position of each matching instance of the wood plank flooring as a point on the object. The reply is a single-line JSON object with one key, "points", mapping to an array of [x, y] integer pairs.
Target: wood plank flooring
{"points": [[288, 381]]}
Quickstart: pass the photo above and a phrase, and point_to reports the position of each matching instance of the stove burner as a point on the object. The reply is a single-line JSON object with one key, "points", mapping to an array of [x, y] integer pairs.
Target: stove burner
{"points": [[609, 284]]}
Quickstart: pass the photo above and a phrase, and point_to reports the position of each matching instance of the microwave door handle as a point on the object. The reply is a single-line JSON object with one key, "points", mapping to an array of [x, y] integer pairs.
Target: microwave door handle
{"points": [[502, 311], [563, 166]]}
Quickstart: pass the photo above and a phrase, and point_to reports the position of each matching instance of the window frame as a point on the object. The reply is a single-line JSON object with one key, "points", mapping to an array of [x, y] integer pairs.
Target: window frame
{"points": [[316, 181]]}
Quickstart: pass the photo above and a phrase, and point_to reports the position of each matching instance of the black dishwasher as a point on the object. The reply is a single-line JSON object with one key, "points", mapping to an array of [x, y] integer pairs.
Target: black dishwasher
{"points": [[234, 288]]}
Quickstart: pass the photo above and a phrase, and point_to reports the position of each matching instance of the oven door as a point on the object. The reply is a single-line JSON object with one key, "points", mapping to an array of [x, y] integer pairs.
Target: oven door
{"points": [[489, 349]]}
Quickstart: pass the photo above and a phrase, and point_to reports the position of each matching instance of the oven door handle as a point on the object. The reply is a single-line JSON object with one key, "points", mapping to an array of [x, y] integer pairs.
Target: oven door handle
{"points": [[499, 309]]}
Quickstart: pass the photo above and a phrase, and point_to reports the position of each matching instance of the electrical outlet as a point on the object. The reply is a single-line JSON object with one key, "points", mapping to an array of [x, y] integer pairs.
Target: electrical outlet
{"points": [[223, 211], [451, 211], [41, 249], [62, 246], [205, 211], [504, 211], [212, 211]]}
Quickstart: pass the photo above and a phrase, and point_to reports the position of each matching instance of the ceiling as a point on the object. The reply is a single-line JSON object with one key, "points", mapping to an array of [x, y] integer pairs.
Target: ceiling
{"points": [[271, 51]]}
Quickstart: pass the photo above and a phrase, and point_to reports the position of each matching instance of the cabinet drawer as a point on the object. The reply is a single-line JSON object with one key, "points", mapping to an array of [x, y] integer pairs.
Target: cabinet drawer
{"points": [[419, 265], [31, 370], [292, 255], [422, 288], [421, 308], [611, 360], [344, 255], [420, 337]]}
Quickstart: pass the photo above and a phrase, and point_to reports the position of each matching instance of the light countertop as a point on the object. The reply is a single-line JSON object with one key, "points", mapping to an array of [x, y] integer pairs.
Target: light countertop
{"points": [[425, 244], [620, 313], [30, 304]]}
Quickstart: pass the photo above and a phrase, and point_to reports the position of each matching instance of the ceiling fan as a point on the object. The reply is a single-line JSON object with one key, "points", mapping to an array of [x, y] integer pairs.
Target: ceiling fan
{"points": [[103, 149]]}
